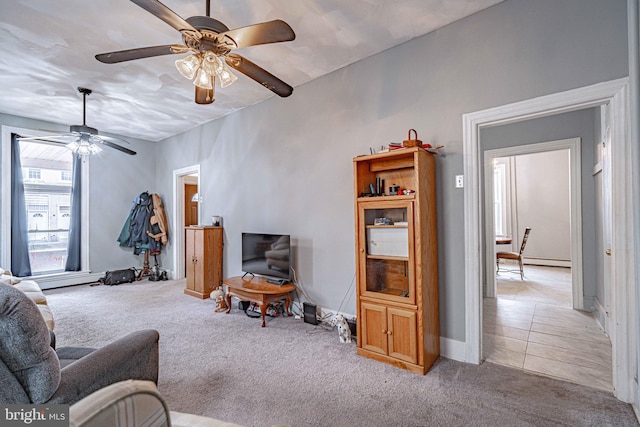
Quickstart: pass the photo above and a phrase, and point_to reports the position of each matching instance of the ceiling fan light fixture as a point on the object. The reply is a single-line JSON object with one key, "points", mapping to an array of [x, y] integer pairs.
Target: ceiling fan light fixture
{"points": [[204, 96], [188, 66], [83, 148]]}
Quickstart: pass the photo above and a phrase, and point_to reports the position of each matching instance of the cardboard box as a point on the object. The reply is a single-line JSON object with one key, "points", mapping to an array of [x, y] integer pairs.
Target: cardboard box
{"points": [[388, 241]]}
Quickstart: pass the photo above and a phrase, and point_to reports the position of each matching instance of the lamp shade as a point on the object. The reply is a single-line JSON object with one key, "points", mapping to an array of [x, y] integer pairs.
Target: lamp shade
{"points": [[188, 66], [203, 79], [226, 76]]}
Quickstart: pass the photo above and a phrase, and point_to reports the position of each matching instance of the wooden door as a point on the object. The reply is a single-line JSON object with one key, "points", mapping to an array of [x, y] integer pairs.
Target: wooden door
{"points": [[190, 207], [374, 328], [403, 334]]}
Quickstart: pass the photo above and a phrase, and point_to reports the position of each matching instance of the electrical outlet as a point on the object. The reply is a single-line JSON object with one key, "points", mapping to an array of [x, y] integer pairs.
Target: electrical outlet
{"points": [[459, 181]]}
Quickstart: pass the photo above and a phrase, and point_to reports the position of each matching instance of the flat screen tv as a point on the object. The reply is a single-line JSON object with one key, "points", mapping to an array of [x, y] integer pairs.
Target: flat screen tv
{"points": [[267, 255]]}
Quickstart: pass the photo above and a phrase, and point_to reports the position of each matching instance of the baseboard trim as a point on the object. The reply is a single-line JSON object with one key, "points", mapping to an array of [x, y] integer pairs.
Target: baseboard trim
{"points": [[452, 349], [600, 315], [547, 262]]}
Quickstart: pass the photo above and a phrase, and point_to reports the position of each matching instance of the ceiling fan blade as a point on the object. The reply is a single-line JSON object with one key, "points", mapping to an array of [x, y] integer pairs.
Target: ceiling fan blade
{"points": [[139, 53], [111, 139], [167, 15], [58, 139], [259, 74], [106, 140], [266, 32]]}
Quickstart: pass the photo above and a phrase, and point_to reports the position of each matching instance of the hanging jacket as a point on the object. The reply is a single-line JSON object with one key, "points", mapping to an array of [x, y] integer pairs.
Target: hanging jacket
{"points": [[134, 232], [158, 221]]}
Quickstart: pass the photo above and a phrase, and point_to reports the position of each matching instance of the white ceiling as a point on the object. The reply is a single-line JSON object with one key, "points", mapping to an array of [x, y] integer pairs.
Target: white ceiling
{"points": [[47, 50]]}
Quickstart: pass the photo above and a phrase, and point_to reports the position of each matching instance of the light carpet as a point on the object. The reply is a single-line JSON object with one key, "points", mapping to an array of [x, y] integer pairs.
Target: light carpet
{"points": [[227, 367]]}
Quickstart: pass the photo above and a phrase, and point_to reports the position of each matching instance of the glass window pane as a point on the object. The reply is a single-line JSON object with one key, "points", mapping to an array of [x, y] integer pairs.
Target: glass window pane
{"points": [[499, 201], [48, 201], [387, 259]]}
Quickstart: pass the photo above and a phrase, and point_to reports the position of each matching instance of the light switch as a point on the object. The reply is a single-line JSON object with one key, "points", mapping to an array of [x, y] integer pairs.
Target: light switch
{"points": [[459, 181]]}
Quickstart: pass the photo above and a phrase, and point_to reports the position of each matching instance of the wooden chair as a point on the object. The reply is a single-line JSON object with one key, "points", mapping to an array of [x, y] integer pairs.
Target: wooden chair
{"points": [[514, 255]]}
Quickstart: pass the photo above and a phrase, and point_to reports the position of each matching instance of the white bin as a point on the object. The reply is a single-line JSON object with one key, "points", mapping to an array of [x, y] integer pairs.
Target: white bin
{"points": [[388, 241]]}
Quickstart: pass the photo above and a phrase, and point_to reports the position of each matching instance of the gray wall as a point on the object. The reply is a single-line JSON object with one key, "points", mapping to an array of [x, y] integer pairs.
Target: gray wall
{"points": [[285, 165], [115, 179], [543, 202], [562, 126]]}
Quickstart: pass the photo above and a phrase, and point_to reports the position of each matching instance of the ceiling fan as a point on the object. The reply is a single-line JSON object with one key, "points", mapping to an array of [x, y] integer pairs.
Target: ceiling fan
{"points": [[82, 139], [210, 43]]}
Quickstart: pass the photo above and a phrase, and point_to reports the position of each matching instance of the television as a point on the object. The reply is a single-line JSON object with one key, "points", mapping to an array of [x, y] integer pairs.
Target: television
{"points": [[267, 255]]}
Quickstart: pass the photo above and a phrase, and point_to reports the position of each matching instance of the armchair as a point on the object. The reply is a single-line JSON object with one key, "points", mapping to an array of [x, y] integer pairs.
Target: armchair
{"points": [[32, 371], [144, 407]]}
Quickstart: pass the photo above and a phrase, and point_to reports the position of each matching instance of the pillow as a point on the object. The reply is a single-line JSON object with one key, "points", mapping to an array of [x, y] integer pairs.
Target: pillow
{"points": [[9, 280], [281, 243], [25, 345]]}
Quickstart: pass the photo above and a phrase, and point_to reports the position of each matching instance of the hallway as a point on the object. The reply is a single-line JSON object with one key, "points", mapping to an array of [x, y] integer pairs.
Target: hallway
{"points": [[532, 327]]}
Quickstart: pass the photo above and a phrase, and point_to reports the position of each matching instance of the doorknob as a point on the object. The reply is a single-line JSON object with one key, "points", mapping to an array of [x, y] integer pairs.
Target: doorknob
{"points": [[608, 252]]}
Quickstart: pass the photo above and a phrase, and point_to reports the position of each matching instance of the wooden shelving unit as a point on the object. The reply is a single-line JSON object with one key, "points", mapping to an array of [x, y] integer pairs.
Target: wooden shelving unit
{"points": [[397, 265]]}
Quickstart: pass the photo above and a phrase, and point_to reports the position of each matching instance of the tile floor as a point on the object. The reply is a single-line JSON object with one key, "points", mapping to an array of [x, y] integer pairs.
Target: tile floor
{"points": [[531, 326]]}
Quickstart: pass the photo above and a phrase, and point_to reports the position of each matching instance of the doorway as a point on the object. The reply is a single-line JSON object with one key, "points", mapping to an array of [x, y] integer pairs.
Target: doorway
{"points": [[532, 322], [512, 227], [186, 211], [191, 200], [623, 331]]}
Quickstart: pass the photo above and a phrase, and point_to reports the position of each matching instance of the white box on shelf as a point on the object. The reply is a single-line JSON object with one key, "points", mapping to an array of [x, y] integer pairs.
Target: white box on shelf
{"points": [[388, 241]]}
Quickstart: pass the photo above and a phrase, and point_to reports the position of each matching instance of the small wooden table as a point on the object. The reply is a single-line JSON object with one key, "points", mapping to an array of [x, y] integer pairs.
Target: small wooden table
{"points": [[257, 289]]}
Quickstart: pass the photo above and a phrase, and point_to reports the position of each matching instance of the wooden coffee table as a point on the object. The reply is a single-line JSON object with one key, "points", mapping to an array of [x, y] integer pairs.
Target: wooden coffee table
{"points": [[257, 289]]}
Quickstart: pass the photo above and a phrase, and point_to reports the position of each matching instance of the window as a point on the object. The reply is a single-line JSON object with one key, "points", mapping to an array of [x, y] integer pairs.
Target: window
{"points": [[47, 173], [33, 174], [501, 197]]}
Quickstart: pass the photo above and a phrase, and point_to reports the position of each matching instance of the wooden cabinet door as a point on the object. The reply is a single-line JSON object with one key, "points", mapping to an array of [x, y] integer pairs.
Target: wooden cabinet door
{"points": [[189, 258], [386, 253], [403, 334], [374, 328], [198, 260]]}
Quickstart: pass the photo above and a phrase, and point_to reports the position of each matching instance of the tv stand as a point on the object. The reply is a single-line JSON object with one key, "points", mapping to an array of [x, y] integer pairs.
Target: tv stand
{"points": [[258, 290]]}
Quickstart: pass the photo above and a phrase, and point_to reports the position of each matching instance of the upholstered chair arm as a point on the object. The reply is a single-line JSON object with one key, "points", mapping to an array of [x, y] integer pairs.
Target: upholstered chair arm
{"points": [[134, 356]]}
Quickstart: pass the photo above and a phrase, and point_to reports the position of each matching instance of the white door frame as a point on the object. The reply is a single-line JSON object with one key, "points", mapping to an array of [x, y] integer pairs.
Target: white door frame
{"points": [[178, 215], [573, 145], [623, 294]]}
